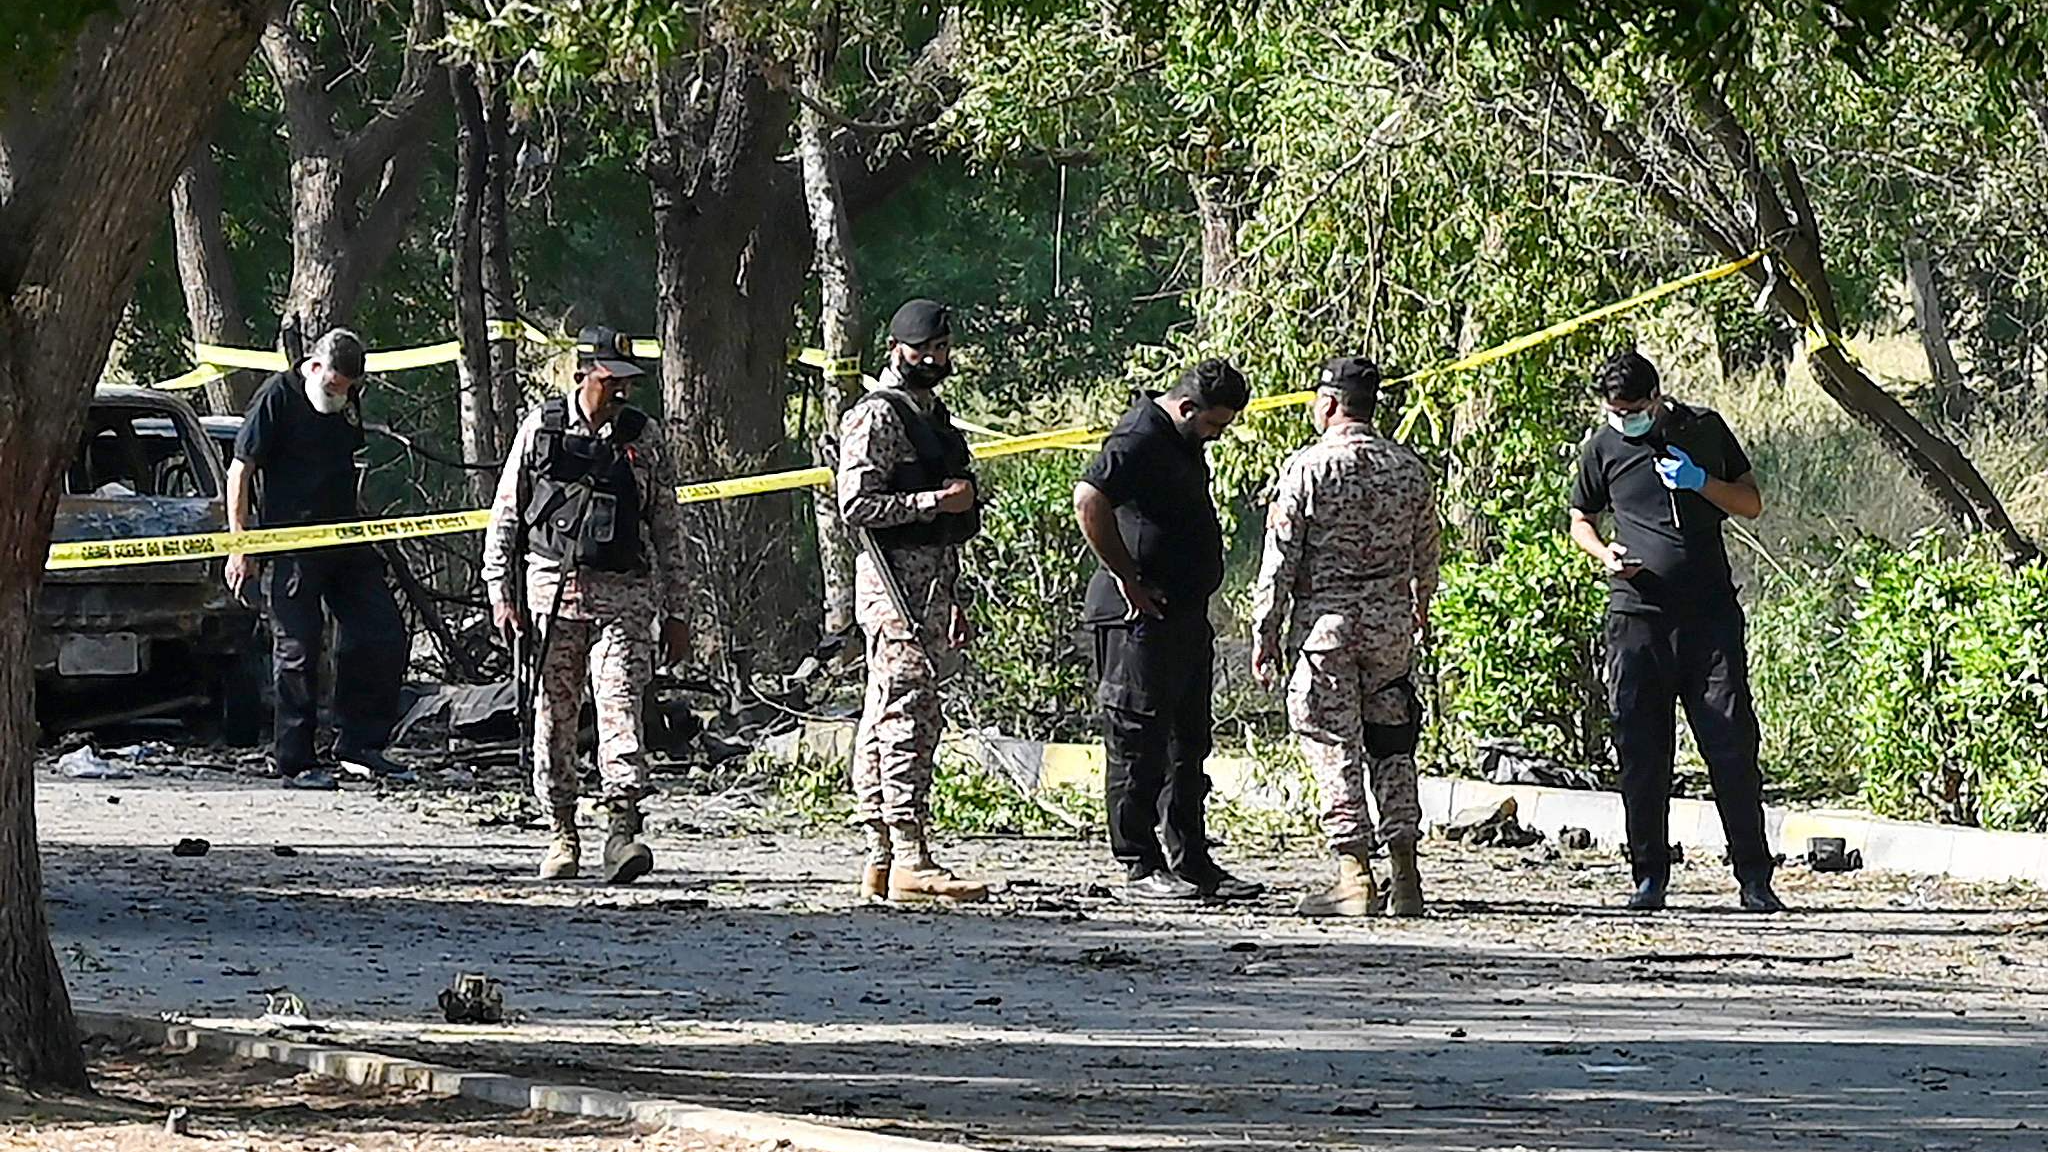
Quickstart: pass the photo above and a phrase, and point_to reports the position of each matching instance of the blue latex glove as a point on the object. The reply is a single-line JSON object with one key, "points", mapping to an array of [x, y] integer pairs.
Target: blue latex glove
{"points": [[1679, 472]]}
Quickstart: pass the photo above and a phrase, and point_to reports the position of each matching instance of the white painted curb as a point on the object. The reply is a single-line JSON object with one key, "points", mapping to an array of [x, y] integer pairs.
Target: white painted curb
{"points": [[1892, 845], [358, 1067]]}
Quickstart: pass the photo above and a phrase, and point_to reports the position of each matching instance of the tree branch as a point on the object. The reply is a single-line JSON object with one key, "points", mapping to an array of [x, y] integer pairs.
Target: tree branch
{"points": [[418, 95], [840, 119], [308, 109], [1623, 154]]}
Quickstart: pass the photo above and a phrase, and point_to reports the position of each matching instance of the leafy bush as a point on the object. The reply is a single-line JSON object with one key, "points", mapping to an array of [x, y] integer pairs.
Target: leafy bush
{"points": [[1030, 568], [1803, 679], [1951, 654], [1516, 651]]}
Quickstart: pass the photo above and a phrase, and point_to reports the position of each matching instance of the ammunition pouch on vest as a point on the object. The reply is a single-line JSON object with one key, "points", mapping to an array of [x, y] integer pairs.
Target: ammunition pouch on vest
{"points": [[940, 454], [586, 506]]}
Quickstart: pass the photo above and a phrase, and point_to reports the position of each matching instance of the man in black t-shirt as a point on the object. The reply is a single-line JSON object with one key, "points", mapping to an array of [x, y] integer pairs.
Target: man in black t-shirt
{"points": [[1671, 473], [299, 439], [1145, 508]]}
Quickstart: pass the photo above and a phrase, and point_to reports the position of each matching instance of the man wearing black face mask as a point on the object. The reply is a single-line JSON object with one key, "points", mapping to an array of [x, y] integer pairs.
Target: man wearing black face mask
{"points": [[1144, 506], [1671, 473], [906, 485]]}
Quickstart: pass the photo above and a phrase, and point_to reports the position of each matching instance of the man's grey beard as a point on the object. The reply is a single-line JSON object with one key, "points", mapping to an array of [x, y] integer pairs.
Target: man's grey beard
{"points": [[323, 401]]}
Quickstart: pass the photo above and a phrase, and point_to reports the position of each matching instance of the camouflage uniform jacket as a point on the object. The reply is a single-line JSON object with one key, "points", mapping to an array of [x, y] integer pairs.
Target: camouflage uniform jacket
{"points": [[1352, 524], [591, 594], [872, 443]]}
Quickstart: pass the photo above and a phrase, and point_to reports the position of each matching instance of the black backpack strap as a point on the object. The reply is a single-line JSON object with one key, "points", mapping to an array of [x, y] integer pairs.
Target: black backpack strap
{"points": [[629, 424]]}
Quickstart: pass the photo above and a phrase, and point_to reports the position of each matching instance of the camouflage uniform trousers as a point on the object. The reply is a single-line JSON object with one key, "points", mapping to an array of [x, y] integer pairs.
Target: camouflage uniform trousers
{"points": [[1331, 697], [895, 749], [616, 656]]}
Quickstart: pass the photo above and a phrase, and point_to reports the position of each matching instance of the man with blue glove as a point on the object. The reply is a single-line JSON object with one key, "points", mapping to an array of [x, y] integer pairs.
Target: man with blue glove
{"points": [[1671, 473]]}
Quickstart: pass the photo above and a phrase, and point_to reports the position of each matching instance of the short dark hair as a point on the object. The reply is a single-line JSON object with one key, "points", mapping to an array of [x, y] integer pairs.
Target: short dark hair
{"points": [[1213, 384], [1626, 376], [342, 351]]}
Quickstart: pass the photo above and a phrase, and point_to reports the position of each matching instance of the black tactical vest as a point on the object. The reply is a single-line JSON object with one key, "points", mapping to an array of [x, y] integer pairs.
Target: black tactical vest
{"points": [[587, 479], [940, 454]]}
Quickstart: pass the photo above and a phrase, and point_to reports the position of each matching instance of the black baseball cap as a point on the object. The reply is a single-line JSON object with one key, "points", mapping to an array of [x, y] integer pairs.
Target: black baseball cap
{"points": [[608, 349], [920, 322], [1351, 376]]}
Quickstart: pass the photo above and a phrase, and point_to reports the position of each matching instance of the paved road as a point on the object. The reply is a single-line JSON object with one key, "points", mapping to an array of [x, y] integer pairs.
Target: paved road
{"points": [[1526, 1013]]}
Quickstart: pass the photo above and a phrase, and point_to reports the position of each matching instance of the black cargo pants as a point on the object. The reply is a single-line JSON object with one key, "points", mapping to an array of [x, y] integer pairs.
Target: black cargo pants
{"points": [[1155, 677], [370, 650], [1698, 659]]}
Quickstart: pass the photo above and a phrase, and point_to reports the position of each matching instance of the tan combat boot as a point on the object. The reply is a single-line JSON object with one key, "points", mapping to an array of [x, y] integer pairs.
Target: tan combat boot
{"points": [[565, 855], [626, 858], [1353, 894], [914, 877], [1406, 881], [874, 872]]}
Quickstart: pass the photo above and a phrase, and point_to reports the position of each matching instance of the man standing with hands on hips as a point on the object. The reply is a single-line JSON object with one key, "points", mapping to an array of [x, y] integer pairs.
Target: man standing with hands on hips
{"points": [[1671, 473], [1144, 506]]}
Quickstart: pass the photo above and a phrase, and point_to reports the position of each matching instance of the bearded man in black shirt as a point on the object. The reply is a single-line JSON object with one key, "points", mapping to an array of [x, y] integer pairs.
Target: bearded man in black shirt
{"points": [[1145, 507]]}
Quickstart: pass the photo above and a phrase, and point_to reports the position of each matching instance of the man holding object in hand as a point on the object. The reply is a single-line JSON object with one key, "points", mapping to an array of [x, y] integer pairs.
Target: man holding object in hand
{"points": [[1671, 473]]}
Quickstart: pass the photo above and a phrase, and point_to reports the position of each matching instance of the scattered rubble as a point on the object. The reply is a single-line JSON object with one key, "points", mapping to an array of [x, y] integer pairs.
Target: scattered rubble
{"points": [[1492, 826], [1512, 762]]}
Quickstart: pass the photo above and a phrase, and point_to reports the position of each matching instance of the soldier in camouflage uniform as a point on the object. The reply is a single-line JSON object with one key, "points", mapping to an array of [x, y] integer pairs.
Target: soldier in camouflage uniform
{"points": [[1350, 566], [906, 492], [588, 496]]}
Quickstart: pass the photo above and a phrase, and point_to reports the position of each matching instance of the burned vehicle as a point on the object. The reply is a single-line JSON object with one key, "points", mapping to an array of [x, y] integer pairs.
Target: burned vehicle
{"points": [[143, 640]]}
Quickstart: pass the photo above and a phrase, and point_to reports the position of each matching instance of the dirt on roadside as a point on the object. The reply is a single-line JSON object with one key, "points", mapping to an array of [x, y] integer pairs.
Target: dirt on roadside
{"points": [[238, 1105]]}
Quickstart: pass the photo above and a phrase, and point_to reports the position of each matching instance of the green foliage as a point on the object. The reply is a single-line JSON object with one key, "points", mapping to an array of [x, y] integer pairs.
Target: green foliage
{"points": [[1710, 37], [1951, 651], [1799, 634], [1516, 649], [35, 39], [1030, 567]]}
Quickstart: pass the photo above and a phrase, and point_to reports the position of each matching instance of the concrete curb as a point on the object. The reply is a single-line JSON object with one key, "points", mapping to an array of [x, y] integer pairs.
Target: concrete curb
{"points": [[1892, 845], [512, 1092]]}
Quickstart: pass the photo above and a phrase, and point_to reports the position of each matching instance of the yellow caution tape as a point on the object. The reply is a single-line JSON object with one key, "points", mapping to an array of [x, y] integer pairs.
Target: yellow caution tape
{"points": [[200, 546], [205, 545]]}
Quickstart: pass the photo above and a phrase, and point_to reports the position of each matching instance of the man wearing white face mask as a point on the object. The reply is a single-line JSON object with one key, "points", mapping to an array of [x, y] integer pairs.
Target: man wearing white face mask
{"points": [[295, 464], [1671, 473]]}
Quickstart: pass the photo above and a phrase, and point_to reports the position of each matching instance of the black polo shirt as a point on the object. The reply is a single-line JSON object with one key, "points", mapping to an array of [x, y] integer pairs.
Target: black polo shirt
{"points": [[305, 462], [1158, 481], [1685, 565]]}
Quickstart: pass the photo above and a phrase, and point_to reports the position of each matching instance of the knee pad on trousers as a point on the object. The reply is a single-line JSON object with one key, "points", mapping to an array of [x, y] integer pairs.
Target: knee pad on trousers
{"points": [[1397, 739]]}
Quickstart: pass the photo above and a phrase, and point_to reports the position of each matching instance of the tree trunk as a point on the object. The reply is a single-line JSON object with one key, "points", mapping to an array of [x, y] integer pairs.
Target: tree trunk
{"points": [[85, 167], [730, 264], [477, 408], [352, 193], [1953, 398], [839, 314], [501, 301], [1219, 205], [213, 307], [727, 287]]}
